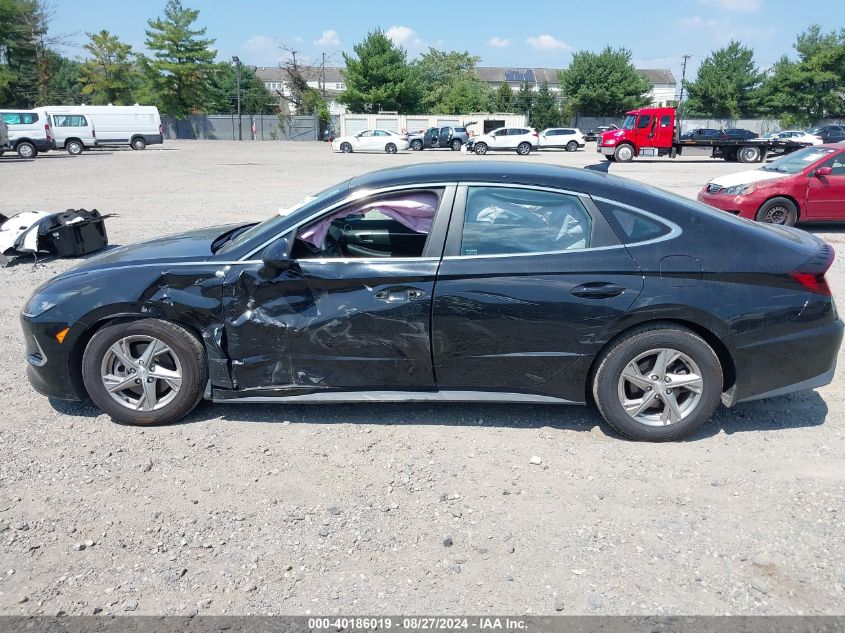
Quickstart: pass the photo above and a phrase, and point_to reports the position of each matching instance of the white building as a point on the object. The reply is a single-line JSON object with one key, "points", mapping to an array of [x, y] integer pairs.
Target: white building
{"points": [[328, 80]]}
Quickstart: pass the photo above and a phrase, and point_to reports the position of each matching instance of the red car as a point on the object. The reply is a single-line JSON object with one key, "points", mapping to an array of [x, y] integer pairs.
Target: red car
{"points": [[804, 186]]}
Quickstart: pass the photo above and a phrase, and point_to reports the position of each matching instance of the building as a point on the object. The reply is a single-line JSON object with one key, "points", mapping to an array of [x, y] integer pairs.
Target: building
{"points": [[328, 80]]}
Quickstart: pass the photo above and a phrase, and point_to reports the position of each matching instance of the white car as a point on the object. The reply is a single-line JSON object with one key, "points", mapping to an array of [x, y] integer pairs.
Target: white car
{"points": [[371, 141], [798, 136], [73, 132], [567, 138], [521, 139]]}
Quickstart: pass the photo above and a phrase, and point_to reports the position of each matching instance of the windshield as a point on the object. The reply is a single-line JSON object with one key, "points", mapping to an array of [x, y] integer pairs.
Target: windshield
{"points": [[798, 161], [239, 238], [629, 122]]}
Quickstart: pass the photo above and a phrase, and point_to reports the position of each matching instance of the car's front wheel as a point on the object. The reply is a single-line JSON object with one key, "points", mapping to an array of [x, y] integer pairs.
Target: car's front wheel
{"points": [[144, 372], [481, 148], [346, 148], [658, 382], [778, 211]]}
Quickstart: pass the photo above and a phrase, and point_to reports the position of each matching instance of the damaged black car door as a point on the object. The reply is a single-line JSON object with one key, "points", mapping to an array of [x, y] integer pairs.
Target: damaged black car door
{"points": [[349, 310]]}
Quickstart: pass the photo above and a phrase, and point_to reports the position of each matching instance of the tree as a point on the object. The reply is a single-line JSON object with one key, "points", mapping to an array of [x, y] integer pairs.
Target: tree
{"points": [[523, 101], [502, 99], [108, 76], [182, 65], [64, 86], [545, 112], [724, 87], [378, 77], [255, 98], [811, 88], [449, 82], [603, 84], [22, 29]]}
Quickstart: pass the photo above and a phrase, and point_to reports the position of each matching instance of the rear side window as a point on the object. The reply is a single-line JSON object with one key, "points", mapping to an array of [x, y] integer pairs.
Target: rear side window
{"points": [[69, 120], [503, 221], [631, 227], [460, 129], [644, 122], [665, 120], [20, 118]]}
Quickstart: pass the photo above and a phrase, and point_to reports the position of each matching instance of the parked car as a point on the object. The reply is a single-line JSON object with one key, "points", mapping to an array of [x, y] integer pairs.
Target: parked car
{"points": [[805, 186], [451, 137], [739, 133], [594, 135], [829, 133], [566, 138], [29, 131], [795, 135], [519, 139], [135, 126], [703, 133], [406, 285], [371, 141], [72, 132]]}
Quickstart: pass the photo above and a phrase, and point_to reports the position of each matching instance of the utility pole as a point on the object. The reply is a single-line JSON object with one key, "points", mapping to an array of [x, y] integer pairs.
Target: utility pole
{"points": [[323, 76], [683, 81], [237, 62]]}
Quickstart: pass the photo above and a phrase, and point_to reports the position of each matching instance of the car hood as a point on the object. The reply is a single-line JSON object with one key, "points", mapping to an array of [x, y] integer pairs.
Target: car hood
{"points": [[194, 246], [747, 177]]}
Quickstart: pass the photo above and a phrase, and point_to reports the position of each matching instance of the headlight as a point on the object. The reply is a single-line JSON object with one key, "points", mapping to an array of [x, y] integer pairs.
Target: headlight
{"points": [[43, 301], [738, 190], [610, 141]]}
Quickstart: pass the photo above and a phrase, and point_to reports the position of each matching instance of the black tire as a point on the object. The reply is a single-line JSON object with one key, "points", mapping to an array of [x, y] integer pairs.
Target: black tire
{"points": [[571, 146], [640, 342], [390, 148], [456, 145], [523, 149], [417, 145], [74, 147], [139, 143], [187, 349], [25, 149], [781, 211], [346, 148], [749, 154], [481, 148], [624, 153]]}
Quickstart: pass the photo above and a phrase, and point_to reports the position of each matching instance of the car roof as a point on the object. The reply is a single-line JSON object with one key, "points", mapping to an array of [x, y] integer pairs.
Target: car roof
{"points": [[585, 180]]}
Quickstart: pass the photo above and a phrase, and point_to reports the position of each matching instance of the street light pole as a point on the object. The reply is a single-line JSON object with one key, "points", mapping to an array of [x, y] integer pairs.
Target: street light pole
{"points": [[237, 62]]}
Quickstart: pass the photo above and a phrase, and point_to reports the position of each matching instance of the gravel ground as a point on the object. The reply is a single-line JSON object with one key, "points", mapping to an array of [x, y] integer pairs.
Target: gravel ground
{"points": [[392, 508]]}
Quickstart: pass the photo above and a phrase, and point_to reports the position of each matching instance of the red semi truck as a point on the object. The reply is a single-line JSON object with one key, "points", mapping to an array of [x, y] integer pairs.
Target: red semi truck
{"points": [[655, 132]]}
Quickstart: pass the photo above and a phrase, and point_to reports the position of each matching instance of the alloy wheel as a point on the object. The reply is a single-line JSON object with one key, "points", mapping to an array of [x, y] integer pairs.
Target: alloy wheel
{"points": [[141, 373], [660, 387]]}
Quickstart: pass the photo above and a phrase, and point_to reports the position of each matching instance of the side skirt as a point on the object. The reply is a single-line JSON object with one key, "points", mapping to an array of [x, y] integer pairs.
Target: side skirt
{"points": [[395, 396]]}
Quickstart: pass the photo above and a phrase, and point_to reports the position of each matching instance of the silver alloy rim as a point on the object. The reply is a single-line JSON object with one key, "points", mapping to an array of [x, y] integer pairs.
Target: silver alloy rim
{"points": [[660, 387], [75, 148], [777, 215], [390, 149], [26, 151], [139, 144], [572, 146], [141, 373], [625, 153], [481, 149], [524, 149], [750, 155]]}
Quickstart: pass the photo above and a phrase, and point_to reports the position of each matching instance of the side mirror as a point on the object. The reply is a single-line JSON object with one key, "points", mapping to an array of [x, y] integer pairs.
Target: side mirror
{"points": [[277, 255], [823, 171]]}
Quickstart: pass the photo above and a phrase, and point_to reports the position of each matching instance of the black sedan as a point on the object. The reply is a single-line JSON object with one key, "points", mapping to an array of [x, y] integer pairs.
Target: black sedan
{"points": [[460, 282]]}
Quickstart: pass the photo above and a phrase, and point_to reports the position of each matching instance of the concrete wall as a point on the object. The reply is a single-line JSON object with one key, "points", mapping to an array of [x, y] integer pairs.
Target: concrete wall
{"points": [[268, 127]]}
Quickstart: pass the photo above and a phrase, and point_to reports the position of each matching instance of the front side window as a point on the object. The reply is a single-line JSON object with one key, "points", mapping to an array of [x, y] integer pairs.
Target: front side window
{"points": [[503, 220], [394, 225], [837, 164], [644, 122], [665, 120]]}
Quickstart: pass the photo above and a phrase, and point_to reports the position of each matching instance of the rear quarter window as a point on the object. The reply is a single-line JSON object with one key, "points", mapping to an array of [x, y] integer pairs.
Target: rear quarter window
{"points": [[632, 227]]}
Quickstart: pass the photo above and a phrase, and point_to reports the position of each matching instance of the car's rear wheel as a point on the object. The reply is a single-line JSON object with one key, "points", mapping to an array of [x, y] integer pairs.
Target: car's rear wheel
{"points": [[481, 148], [346, 148], [571, 146], [658, 382], [390, 148], [74, 148], [456, 145], [144, 372], [523, 149], [139, 143], [778, 211], [416, 145], [26, 150], [749, 154], [624, 153]]}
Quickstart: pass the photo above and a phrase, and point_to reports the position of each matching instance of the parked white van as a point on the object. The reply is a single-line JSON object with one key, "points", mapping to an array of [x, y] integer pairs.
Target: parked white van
{"points": [[73, 132], [29, 131], [136, 126]]}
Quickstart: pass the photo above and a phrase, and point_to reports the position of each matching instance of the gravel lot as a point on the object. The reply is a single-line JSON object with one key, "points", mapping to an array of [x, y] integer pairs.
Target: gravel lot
{"points": [[393, 508]]}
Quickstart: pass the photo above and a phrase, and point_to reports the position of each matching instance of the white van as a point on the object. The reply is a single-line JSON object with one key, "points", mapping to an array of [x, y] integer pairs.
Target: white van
{"points": [[73, 132], [29, 131], [136, 126]]}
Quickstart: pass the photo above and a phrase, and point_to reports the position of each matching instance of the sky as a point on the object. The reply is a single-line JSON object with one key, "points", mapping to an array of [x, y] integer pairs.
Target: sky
{"points": [[534, 33]]}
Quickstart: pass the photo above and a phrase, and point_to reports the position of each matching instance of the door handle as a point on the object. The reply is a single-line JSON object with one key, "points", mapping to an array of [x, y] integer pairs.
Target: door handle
{"points": [[597, 290], [396, 295]]}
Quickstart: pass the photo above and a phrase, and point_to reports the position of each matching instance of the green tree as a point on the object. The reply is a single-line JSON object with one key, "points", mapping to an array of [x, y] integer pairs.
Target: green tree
{"points": [[64, 87], [314, 103], [603, 84], [255, 98], [523, 100], [545, 112], [182, 67], [108, 76], [378, 77], [725, 84], [22, 32], [450, 84], [502, 98], [806, 90]]}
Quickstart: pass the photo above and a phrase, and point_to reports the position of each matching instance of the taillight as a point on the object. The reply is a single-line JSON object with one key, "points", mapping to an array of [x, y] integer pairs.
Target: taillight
{"points": [[48, 132], [812, 274], [160, 130], [93, 133]]}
